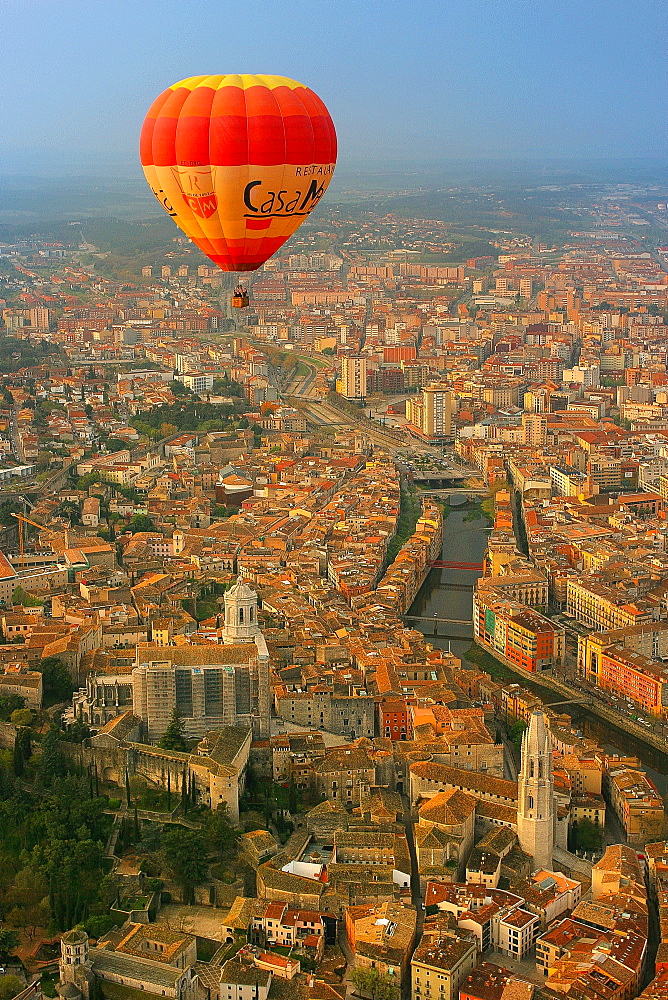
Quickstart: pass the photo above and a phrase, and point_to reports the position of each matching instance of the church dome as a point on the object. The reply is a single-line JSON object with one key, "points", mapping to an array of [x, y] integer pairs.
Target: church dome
{"points": [[240, 591]]}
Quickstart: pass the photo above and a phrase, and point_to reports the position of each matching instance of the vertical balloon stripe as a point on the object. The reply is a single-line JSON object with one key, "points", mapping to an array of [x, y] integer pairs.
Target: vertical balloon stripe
{"points": [[199, 101], [302, 152], [164, 131], [324, 151], [264, 248], [243, 253]]}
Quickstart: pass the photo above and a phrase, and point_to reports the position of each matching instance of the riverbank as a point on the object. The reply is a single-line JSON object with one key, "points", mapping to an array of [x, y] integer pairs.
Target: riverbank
{"points": [[502, 669], [410, 509], [448, 594]]}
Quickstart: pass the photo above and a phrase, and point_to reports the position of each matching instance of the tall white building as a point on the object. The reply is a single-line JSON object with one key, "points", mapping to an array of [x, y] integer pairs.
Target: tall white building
{"points": [[534, 428], [587, 375], [438, 405], [432, 411], [535, 810], [353, 377], [196, 381]]}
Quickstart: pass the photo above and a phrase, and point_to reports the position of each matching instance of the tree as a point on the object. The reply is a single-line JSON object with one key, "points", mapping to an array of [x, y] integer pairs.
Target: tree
{"points": [[73, 869], [292, 796], [97, 926], [90, 479], [221, 511], [184, 794], [29, 902], [172, 738], [516, 732], [8, 941], [10, 986], [21, 717], [220, 836], [376, 984], [17, 760], [10, 703], [185, 856], [589, 835], [22, 751], [179, 389], [77, 732], [24, 737], [52, 762], [269, 802], [21, 596], [141, 522], [69, 510], [56, 680], [115, 444]]}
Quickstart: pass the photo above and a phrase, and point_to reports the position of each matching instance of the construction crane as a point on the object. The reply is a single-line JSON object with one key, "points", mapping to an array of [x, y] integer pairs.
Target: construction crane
{"points": [[21, 518]]}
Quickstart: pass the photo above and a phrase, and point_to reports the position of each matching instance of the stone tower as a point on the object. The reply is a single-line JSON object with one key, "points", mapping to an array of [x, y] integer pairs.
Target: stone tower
{"points": [[73, 952], [75, 967], [240, 614], [535, 808], [241, 626]]}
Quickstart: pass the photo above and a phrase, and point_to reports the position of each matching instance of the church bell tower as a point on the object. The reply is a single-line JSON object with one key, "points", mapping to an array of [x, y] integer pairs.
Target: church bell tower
{"points": [[535, 808], [240, 614]]}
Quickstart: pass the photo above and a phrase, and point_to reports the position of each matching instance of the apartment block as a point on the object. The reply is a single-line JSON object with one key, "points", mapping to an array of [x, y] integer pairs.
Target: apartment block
{"points": [[354, 376], [441, 963], [601, 608], [523, 636]]}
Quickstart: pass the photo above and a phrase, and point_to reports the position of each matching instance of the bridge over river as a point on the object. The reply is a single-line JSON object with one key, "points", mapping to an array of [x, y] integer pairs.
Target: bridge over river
{"points": [[442, 610]]}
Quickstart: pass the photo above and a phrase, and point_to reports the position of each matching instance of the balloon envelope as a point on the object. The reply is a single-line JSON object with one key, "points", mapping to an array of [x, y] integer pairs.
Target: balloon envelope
{"points": [[238, 161]]}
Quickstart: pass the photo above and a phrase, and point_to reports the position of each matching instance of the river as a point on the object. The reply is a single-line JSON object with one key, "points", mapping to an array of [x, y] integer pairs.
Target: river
{"points": [[447, 593]]}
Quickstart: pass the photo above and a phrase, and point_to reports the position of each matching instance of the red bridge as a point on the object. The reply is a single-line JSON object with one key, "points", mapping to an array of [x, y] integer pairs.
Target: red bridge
{"points": [[445, 564]]}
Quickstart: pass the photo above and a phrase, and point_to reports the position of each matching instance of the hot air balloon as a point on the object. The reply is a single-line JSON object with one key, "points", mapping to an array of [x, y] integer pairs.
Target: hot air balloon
{"points": [[238, 162]]}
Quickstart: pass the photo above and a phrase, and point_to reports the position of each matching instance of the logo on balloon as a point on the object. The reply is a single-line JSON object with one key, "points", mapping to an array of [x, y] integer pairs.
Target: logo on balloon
{"points": [[197, 187], [281, 204]]}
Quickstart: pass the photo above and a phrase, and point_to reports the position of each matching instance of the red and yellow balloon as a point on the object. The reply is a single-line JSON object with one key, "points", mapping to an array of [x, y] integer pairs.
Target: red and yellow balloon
{"points": [[238, 161]]}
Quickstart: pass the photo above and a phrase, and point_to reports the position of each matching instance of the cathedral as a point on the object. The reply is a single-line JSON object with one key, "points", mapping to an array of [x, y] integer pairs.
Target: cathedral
{"points": [[209, 684]]}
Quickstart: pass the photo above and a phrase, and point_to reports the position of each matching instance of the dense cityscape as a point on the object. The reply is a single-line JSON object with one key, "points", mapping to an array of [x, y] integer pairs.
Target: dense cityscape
{"points": [[335, 631]]}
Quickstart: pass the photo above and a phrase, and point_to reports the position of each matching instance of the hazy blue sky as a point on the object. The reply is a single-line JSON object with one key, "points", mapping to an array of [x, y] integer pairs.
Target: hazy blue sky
{"points": [[404, 80]]}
